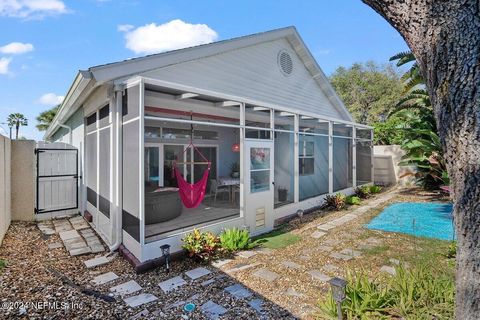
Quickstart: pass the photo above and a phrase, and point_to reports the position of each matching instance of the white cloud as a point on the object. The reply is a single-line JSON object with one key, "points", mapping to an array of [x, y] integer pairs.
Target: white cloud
{"points": [[4, 63], [176, 34], [16, 48], [124, 27], [50, 99], [31, 8]]}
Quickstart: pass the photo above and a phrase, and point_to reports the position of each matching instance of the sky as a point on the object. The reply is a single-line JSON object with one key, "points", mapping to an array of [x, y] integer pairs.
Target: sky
{"points": [[43, 43]]}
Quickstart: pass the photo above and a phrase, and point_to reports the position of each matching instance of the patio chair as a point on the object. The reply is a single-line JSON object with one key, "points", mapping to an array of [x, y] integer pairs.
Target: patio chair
{"points": [[216, 189]]}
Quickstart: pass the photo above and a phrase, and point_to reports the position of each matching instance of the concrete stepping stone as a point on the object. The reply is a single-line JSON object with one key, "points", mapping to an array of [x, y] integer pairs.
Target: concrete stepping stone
{"points": [[97, 248], [140, 299], [172, 284], [257, 305], [104, 278], [394, 261], [126, 288], [351, 252], [79, 251], [338, 255], [318, 275], [304, 258], [67, 235], [388, 269], [326, 226], [266, 274], [246, 254], [212, 310], [98, 261], [207, 282], [220, 263], [238, 291], [55, 245], [374, 240], [291, 265], [366, 246], [330, 268], [294, 293], [324, 248], [197, 273], [242, 267], [318, 234]]}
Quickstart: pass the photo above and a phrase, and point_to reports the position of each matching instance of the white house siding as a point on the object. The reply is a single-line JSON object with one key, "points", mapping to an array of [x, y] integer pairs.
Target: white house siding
{"points": [[252, 72]]}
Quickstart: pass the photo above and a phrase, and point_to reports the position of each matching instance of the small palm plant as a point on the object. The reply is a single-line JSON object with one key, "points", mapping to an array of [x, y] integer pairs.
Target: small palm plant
{"points": [[17, 120]]}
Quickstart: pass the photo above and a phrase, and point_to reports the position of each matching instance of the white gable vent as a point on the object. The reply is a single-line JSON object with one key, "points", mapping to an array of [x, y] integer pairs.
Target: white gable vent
{"points": [[285, 62]]}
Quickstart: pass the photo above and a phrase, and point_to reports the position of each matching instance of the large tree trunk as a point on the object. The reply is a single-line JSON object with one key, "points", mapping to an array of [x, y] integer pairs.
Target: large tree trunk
{"points": [[444, 36]]}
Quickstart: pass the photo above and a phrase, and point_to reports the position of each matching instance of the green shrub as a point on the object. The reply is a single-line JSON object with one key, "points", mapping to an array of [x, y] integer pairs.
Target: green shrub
{"points": [[3, 264], [363, 192], [235, 239], [353, 200], [335, 201], [452, 250], [202, 246], [375, 189], [417, 293]]}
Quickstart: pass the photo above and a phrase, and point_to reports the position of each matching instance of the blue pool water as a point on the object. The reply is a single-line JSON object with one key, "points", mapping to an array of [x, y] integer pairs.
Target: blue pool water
{"points": [[430, 220]]}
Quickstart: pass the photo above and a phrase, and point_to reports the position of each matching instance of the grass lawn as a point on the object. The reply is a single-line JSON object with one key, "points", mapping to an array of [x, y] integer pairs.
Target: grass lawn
{"points": [[277, 239]]}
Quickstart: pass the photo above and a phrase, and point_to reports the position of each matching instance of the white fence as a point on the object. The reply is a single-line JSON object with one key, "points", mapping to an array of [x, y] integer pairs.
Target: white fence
{"points": [[5, 188]]}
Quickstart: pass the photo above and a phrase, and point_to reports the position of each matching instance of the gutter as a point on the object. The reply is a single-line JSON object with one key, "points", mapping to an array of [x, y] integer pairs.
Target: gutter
{"points": [[69, 132]]}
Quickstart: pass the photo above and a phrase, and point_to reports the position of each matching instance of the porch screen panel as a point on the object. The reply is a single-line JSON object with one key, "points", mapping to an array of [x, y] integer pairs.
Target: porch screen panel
{"points": [[91, 168], [131, 163], [364, 162], [342, 163], [313, 166], [104, 172], [284, 168]]}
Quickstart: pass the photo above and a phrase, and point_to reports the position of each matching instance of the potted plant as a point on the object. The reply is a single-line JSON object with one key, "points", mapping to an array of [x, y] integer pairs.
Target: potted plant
{"points": [[235, 173], [282, 194]]}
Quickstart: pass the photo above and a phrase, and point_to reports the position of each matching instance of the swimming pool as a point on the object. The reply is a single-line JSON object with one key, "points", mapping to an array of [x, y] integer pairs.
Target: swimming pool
{"points": [[429, 219]]}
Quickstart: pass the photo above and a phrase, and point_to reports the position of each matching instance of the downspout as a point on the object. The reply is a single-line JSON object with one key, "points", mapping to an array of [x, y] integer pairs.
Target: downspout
{"points": [[117, 228], [69, 132]]}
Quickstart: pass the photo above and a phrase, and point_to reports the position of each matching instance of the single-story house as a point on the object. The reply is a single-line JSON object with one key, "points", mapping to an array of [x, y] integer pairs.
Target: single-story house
{"points": [[261, 114]]}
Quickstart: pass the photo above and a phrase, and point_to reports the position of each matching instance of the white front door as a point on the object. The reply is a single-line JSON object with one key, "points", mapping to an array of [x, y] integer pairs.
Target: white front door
{"points": [[258, 182]]}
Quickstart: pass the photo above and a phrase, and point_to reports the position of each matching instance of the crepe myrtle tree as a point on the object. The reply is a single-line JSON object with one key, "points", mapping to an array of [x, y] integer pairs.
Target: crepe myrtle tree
{"points": [[444, 36]]}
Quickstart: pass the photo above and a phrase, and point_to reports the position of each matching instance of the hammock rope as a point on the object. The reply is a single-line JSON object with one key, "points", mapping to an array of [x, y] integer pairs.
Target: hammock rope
{"points": [[192, 194]]}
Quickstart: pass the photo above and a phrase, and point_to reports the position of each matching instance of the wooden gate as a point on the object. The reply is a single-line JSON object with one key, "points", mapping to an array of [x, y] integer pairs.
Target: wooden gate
{"points": [[57, 178]]}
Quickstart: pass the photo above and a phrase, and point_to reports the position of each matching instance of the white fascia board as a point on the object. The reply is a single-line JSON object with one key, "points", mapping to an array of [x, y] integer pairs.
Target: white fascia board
{"points": [[82, 81]]}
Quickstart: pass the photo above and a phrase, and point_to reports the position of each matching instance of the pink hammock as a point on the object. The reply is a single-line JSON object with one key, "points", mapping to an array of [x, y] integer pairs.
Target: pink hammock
{"points": [[192, 194]]}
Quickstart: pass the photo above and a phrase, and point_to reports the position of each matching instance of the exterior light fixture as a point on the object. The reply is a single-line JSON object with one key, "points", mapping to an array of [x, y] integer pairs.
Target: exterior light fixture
{"points": [[166, 253], [236, 147], [338, 286]]}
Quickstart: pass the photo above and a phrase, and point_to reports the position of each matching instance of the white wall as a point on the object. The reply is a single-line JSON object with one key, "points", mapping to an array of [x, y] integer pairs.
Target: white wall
{"points": [[252, 72], [387, 171]]}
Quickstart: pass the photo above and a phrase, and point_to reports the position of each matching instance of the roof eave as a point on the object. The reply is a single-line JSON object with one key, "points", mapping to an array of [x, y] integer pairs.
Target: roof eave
{"points": [[70, 103]]}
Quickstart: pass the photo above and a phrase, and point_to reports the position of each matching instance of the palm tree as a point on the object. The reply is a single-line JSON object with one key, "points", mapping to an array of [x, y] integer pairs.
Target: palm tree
{"points": [[46, 117], [415, 96], [17, 120]]}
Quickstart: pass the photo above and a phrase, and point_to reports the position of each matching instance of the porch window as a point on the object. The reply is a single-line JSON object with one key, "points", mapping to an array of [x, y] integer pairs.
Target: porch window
{"points": [[313, 156], [259, 169], [306, 157]]}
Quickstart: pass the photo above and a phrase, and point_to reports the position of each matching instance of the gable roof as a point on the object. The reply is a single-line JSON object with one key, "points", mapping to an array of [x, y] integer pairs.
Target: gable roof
{"points": [[100, 74]]}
